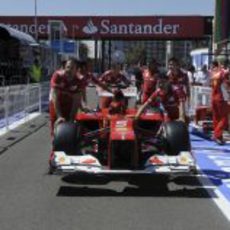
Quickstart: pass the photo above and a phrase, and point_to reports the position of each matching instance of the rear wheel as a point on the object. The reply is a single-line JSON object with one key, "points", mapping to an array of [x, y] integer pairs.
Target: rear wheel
{"points": [[176, 136]]}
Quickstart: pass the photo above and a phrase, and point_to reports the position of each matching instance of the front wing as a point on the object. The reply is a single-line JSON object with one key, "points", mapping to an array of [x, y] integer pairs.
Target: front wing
{"points": [[182, 164]]}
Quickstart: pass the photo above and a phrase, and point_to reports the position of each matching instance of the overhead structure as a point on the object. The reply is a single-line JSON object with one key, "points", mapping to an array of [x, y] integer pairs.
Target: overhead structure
{"points": [[222, 27], [106, 30], [115, 27], [7, 32]]}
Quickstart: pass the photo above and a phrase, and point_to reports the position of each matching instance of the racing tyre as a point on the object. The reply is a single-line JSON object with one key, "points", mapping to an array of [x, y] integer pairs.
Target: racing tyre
{"points": [[67, 138], [176, 136]]}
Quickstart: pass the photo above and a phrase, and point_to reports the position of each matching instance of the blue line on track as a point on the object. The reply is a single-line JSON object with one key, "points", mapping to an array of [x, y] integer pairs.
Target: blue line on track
{"points": [[214, 161]]}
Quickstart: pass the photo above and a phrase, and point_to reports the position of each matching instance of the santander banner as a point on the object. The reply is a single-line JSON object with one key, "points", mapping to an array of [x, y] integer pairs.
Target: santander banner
{"points": [[125, 27]]}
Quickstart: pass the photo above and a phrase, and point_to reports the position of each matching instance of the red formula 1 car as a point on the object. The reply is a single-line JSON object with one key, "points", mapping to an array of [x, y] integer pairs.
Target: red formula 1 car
{"points": [[104, 143], [100, 143]]}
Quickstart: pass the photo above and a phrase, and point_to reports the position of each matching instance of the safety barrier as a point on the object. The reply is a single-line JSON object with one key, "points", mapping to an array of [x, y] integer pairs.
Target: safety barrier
{"points": [[200, 96], [19, 101]]}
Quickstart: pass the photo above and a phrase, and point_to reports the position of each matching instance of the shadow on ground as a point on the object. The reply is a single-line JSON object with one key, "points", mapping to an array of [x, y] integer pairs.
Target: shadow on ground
{"points": [[137, 186]]}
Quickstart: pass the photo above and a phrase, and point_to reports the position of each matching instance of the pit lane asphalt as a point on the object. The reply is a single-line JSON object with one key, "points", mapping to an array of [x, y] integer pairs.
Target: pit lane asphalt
{"points": [[33, 200]]}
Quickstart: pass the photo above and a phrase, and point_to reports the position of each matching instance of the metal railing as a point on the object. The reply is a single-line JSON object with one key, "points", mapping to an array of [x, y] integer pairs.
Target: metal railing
{"points": [[17, 102], [200, 96]]}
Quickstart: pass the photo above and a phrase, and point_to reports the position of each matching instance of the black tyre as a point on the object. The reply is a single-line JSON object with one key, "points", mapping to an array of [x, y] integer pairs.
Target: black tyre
{"points": [[67, 138], [176, 136]]}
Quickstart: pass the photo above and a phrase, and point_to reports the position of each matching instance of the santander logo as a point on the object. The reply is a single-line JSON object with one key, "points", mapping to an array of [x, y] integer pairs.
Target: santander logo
{"points": [[90, 28], [159, 27]]}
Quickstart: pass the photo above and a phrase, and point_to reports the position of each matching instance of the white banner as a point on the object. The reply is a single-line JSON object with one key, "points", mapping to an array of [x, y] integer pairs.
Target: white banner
{"points": [[200, 96]]}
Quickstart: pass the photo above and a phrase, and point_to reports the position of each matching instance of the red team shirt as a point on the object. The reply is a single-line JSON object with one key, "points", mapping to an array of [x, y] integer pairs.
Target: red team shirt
{"points": [[219, 78], [157, 96], [149, 84], [110, 78], [179, 84], [87, 79], [65, 91], [219, 84]]}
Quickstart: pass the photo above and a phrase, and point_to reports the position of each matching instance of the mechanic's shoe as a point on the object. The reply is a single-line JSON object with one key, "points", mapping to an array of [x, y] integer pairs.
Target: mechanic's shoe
{"points": [[220, 141]]}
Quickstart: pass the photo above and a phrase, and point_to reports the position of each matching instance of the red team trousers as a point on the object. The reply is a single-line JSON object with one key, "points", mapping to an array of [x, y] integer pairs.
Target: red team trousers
{"points": [[220, 117]]}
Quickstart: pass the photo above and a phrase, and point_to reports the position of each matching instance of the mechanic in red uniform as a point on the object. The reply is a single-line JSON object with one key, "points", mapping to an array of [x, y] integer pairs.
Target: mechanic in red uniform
{"points": [[87, 77], [118, 104], [159, 98], [181, 91], [150, 78], [112, 77], [154, 103], [65, 94], [226, 69], [219, 82]]}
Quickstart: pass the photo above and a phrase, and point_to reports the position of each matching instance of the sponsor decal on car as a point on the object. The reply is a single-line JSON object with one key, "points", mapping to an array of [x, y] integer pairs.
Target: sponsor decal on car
{"points": [[185, 158], [88, 161], [155, 160]]}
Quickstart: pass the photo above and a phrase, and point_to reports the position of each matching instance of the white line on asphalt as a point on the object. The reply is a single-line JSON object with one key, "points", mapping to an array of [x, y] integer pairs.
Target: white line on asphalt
{"points": [[18, 123], [220, 200]]}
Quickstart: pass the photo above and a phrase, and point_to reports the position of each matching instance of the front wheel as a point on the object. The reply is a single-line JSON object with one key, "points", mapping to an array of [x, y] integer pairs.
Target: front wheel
{"points": [[176, 136], [67, 138]]}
